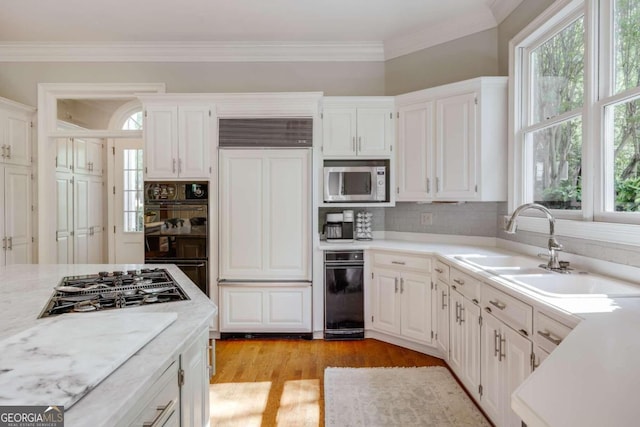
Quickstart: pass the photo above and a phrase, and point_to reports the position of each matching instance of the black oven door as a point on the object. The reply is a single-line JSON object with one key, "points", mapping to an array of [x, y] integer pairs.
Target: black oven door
{"points": [[197, 270]]}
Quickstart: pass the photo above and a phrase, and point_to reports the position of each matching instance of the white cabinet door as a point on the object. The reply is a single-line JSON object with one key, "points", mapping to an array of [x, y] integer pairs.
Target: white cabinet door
{"points": [[456, 343], [288, 309], [470, 318], [194, 140], [81, 200], [374, 131], [415, 152], [81, 162], [270, 308], [339, 128], [64, 218], [491, 368], [17, 139], [161, 142], [385, 300], [17, 212], [64, 155], [95, 155], [415, 292], [441, 297], [517, 365], [456, 147], [194, 395], [265, 214]]}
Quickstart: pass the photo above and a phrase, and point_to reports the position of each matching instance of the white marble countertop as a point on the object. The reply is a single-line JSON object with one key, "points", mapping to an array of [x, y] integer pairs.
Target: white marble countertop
{"points": [[591, 378], [26, 288]]}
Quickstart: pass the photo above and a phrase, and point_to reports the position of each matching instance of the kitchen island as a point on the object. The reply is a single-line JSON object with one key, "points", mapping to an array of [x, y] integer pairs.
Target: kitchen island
{"points": [[127, 393]]}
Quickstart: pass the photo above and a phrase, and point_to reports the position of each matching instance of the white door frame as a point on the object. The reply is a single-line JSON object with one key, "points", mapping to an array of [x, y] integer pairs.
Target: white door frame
{"points": [[48, 95]]}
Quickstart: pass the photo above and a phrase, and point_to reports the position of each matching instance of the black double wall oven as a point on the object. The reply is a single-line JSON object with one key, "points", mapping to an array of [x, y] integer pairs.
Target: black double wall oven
{"points": [[177, 228]]}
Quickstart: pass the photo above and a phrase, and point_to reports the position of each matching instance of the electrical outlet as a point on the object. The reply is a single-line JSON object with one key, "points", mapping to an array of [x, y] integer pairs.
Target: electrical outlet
{"points": [[426, 218]]}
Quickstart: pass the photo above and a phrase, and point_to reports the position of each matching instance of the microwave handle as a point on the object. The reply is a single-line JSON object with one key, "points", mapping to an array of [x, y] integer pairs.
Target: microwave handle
{"points": [[368, 187], [341, 183]]}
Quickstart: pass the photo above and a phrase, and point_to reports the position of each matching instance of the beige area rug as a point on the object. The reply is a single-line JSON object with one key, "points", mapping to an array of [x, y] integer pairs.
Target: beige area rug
{"points": [[427, 396]]}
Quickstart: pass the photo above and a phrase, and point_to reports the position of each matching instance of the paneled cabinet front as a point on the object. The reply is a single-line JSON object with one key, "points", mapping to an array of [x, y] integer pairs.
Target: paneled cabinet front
{"points": [[452, 142], [177, 141], [15, 217], [15, 135], [265, 217], [272, 308], [401, 296], [357, 127]]}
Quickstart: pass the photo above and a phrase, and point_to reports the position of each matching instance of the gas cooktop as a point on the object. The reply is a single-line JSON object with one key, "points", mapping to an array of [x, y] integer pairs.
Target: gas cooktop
{"points": [[110, 290]]}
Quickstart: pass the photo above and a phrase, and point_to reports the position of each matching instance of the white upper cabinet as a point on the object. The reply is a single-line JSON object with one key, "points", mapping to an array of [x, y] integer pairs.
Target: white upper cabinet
{"points": [[15, 133], [453, 142], [88, 155], [177, 141], [357, 126], [415, 152]]}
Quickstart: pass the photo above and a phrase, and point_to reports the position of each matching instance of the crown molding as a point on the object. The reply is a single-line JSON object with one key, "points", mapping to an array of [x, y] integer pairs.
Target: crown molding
{"points": [[192, 52]]}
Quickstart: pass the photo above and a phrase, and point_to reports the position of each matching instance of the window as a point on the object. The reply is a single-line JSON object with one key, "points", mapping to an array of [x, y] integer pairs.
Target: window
{"points": [[133, 180], [576, 121], [133, 197]]}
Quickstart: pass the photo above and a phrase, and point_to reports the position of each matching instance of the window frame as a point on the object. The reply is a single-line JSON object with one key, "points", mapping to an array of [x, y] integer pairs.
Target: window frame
{"points": [[592, 222]]}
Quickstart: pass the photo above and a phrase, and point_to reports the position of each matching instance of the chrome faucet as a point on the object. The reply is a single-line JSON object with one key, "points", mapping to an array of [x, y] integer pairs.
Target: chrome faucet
{"points": [[553, 245]]}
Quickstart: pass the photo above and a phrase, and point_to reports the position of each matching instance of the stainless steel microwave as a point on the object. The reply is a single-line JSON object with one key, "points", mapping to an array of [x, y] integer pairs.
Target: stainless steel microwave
{"points": [[355, 184]]}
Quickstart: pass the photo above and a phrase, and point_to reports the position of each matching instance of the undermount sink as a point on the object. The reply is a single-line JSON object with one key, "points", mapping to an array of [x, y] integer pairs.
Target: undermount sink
{"points": [[501, 264], [574, 285]]}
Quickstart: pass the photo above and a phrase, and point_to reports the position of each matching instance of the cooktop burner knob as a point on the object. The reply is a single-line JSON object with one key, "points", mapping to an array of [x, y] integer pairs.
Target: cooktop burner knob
{"points": [[103, 273], [118, 273]]}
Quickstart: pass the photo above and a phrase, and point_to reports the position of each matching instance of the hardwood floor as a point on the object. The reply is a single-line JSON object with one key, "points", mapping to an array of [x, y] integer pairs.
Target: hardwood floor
{"points": [[280, 382]]}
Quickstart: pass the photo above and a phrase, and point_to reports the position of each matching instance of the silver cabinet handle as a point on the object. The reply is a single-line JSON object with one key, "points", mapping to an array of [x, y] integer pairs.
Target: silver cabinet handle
{"points": [[353, 140], [439, 270], [174, 166], [10, 243], [523, 332], [444, 300], [395, 280], [457, 312], [401, 285], [8, 151], [501, 355], [4, 243], [498, 304], [428, 185], [398, 262], [459, 281], [359, 143], [4, 148], [162, 417], [547, 335], [496, 343]]}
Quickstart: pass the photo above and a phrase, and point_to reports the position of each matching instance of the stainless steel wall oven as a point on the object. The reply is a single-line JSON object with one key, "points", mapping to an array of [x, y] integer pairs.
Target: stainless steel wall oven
{"points": [[177, 228]]}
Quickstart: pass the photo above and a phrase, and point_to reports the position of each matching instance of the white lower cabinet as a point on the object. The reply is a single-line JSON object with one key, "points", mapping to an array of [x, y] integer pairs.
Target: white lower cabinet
{"points": [[506, 363], [464, 345], [441, 308], [401, 297], [180, 395], [272, 308]]}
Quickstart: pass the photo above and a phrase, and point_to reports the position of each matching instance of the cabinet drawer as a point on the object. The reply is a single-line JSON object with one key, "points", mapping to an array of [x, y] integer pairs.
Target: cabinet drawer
{"points": [[515, 313], [402, 261], [549, 333], [465, 284], [442, 271], [160, 402]]}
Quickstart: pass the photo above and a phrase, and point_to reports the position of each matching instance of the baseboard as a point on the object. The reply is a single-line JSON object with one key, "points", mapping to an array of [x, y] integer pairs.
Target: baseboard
{"points": [[401, 342]]}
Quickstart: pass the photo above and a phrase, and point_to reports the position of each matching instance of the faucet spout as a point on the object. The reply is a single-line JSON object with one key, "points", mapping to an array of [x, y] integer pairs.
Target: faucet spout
{"points": [[553, 245]]}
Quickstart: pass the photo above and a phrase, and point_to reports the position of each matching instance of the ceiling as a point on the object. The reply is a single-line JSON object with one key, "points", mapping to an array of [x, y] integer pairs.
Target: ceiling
{"points": [[395, 26]]}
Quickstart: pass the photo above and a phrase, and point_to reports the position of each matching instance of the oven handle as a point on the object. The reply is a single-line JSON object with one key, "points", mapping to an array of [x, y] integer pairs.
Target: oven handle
{"points": [[345, 265], [202, 264]]}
